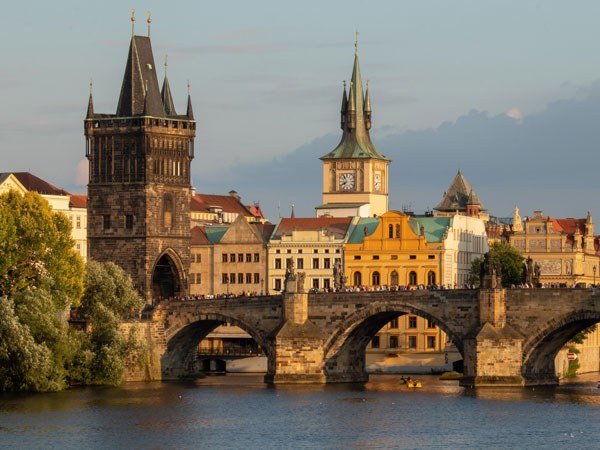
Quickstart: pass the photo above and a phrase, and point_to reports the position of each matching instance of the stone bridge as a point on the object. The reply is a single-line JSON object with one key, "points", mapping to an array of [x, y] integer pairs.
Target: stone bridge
{"points": [[506, 336]]}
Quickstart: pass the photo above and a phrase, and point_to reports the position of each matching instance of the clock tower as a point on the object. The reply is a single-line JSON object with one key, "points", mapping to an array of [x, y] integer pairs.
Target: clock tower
{"points": [[355, 174]]}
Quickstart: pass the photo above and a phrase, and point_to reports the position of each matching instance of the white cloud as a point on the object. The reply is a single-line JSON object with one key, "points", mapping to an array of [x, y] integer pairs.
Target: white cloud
{"points": [[82, 172], [515, 113]]}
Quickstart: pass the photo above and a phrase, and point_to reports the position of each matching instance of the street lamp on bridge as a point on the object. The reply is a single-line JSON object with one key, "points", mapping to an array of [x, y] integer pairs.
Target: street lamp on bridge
{"points": [[594, 270]]}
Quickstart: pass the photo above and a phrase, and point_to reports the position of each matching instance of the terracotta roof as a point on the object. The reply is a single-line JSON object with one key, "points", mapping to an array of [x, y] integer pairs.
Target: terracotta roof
{"points": [[336, 225], [199, 235], [78, 201], [568, 226], [266, 229], [228, 203], [35, 184], [255, 211]]}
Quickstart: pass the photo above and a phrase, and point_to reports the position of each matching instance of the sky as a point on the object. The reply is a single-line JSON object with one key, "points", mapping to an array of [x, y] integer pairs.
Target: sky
{"points": [[506, 91]]}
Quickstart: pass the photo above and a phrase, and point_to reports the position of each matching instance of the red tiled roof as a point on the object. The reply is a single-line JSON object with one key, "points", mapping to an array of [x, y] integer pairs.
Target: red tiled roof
{"points": [[568, 226], [35, 184], [266, 229], [336, 225], [199, 235], [228, 203], [78, 201], [255, 211]]}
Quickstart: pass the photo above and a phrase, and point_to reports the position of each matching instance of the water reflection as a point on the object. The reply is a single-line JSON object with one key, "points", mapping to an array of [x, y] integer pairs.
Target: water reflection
{"points": [[243, 412]]}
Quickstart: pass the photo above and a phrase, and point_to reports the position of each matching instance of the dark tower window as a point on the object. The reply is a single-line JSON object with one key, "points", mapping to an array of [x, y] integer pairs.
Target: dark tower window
{"points": [[129, 221], [106, 221], [167, 211]]}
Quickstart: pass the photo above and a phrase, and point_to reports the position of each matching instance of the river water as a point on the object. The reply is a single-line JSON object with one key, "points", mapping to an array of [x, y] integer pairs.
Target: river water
{"points": [[241, 412]]}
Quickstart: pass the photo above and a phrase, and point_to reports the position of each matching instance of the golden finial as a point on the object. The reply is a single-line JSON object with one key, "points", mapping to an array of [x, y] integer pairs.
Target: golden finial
{"points": [[91, 86], [149, 22], [132, 21], [166, 56], [356, 43]]}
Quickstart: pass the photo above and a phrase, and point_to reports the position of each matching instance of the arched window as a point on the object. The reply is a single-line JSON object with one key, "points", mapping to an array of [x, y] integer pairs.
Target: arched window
{"points": [[375, 278], [398, 230], [431, 277], [394, 278], [391, 231], [357, 279], [412, 278]]}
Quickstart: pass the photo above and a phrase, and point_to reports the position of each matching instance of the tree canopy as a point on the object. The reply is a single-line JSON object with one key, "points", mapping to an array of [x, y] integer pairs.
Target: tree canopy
{"points": [[37, 249], [510, 260]]}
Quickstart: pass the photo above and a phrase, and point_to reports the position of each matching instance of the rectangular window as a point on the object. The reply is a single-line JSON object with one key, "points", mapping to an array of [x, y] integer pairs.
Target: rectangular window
{"points": [[393, 341], [431, 256], [300, 263], [224, 257], [256, 257], [338, 260], [278, 251], [248, 278], [288, 261], [225, 279], [198, 278], [326, 283], [326, 263], [357, 257], [431, 342], [315, 264], [326, 250], [375, 342], [198, 257], [394, 257], [232, 257], [316, 250], [248, 257], [412, 342], [256, 278], [376, 257], [430, 324], [315, 283], [394, 323], [128, 221], [412, 257], [337, 250], [278, 284], [289, 250], [300, 250], [78, 222], [240, 278], [240, 257], [232, 278], [412, 321], [106, 218], [278, 263]]}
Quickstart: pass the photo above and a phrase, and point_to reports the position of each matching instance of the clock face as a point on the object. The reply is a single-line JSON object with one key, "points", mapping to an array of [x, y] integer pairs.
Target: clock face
{"points": [[347, 181], [377, 182]]}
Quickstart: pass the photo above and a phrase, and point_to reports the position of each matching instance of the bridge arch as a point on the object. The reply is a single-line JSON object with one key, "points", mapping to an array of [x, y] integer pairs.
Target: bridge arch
{"points": [[346, 346], [540, 349], [185, 333]]}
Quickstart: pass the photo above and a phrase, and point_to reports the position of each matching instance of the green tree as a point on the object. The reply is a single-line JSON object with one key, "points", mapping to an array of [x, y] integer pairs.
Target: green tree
{"points": [[510, 260], [37, 249], [109, 296]]}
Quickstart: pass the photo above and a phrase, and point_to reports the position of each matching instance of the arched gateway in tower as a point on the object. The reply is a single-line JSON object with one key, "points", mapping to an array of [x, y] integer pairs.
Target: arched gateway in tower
{"points": [[139, 180]]}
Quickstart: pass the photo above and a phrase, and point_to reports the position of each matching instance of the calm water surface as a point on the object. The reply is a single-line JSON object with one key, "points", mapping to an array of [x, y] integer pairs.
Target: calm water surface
{"points": [[239, 412]]}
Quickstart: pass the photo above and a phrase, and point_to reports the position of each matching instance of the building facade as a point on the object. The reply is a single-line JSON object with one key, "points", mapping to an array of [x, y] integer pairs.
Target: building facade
{"points": [[314, 245], [355, 174], [565, 249], [139, 180]]}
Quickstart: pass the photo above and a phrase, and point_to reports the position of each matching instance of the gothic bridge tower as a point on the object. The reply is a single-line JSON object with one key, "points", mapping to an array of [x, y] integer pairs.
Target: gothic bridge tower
{"points": [[355, 174], [139, 179]]}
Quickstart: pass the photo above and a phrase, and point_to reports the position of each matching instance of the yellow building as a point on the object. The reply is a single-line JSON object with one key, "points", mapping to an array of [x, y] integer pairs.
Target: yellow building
{"points": [[391, 251], [315, 245], [355, 174], [565, 249]]}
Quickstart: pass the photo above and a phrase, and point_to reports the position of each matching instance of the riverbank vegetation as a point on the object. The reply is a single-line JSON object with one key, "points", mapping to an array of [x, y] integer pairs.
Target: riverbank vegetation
{"points": [[41, 277]]}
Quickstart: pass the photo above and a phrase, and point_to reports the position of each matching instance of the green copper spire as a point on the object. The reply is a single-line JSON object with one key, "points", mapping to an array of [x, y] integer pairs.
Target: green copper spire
{"points": [[356, 122]]}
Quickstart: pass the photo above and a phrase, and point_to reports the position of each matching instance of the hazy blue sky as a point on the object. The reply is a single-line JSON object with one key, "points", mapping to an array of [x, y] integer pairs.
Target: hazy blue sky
{"points": [[504, 90]]}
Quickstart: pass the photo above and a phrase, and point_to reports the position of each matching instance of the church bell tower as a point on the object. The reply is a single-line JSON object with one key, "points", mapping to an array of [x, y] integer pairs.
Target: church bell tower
{"points": [[355, 174], [139, 179]]}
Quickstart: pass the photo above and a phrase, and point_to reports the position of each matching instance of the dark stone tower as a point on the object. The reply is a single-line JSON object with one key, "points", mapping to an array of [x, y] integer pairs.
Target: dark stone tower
{"points": [[139, 185]]}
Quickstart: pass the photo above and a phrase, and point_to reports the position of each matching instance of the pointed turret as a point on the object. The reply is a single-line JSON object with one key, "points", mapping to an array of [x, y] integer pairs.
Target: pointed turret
{"points": [[459, 196], [139, 73], [189, 113], [90, 110], [344, 107], [165, 95], [367, 109], [356, 122]]}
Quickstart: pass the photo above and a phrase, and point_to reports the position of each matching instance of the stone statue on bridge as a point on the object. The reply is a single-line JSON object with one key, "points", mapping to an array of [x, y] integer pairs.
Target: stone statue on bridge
{"points": [[339, 279], [490, 275], [531, 272], [294, 281]]}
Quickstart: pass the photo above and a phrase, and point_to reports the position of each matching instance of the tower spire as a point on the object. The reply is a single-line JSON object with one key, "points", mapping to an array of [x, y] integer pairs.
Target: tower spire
{"points": [[90, 110], [133, 22], [367, 109], [165, 94], [190, 112], [344, 106]]}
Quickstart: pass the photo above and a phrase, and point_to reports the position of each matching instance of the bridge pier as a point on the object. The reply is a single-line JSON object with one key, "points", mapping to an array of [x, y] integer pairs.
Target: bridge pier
{"points": [[297, 343], [493, 352]]}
